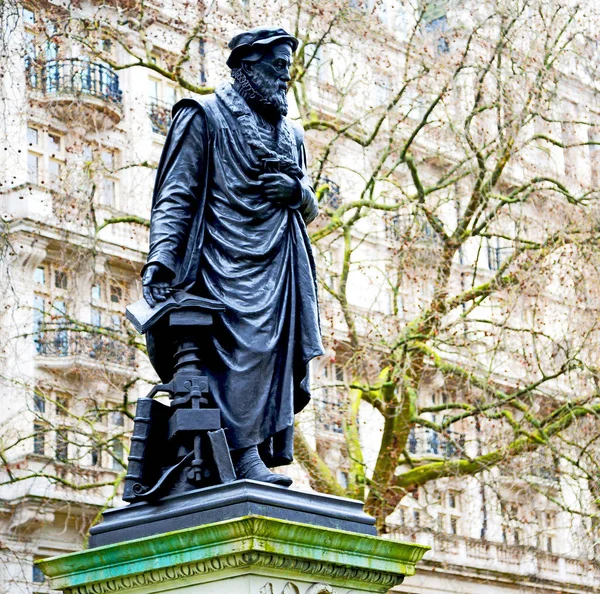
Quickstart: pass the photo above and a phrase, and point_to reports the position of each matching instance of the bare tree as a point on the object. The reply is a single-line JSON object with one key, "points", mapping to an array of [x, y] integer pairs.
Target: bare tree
{"points": [[454, 151]]}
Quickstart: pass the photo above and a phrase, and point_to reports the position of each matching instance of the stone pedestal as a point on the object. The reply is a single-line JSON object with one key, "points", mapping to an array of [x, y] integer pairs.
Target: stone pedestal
{"points": [[248, 555]]}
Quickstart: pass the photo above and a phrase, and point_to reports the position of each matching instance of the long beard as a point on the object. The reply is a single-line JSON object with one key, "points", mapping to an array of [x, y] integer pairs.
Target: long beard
{"points": [[260, 93]]}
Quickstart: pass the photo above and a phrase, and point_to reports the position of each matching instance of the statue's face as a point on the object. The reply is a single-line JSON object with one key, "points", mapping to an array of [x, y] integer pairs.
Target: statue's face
{"points": [[270, 75]]}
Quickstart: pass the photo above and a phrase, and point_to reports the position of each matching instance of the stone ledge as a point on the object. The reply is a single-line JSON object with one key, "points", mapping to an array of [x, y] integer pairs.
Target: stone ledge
{"points": [[237, 547]]}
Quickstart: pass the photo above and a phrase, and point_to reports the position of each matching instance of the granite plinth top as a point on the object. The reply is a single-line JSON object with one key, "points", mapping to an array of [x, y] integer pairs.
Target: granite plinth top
{"points": [[226, 502]]}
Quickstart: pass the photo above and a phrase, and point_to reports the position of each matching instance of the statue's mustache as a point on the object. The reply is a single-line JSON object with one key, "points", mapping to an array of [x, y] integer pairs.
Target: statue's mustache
{"points": [[268, 92]]}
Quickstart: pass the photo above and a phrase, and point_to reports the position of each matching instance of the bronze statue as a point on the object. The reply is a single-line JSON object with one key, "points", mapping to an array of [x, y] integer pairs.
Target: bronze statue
{"points": [[231, 203]]}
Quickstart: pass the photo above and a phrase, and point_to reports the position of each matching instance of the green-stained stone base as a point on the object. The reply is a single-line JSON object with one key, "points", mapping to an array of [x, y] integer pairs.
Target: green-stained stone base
{"points": [[250, 555]]}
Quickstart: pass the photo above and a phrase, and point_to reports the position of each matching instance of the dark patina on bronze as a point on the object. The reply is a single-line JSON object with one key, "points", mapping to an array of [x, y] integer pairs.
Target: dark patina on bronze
{"points": [[231, 317]]}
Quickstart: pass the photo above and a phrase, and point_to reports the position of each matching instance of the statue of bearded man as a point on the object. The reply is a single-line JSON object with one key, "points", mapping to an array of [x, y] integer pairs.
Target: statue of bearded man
{"points": [[231, 203]]}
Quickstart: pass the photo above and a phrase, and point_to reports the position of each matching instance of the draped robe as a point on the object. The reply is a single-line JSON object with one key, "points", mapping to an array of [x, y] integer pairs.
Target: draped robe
{"points": [[213, 228]]}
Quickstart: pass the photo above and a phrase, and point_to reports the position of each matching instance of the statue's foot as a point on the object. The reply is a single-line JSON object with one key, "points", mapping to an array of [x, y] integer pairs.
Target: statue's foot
{"points": [[249, 465]]}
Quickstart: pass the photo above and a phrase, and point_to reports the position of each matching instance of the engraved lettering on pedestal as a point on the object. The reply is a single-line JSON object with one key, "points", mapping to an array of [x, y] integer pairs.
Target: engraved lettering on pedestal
{"points": [[267, 589], [290, 588]]}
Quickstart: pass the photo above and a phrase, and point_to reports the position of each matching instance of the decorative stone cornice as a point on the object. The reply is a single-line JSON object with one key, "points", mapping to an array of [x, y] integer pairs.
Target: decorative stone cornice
{"points": [[350, 576], [237, 547]]}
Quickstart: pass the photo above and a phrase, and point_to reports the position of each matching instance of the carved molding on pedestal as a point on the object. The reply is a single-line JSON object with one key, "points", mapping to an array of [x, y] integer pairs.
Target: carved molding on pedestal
{"points": [[251, 558], [290, 588], [320, 588]]}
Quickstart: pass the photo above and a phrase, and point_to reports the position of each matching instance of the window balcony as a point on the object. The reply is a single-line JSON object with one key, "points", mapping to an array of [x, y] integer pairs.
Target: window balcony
{"points": [[59, 346], [77, 90], [159, 113]]}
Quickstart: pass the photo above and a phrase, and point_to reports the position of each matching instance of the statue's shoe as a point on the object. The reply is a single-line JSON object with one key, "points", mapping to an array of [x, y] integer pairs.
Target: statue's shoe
{"points": [[249, 465]]}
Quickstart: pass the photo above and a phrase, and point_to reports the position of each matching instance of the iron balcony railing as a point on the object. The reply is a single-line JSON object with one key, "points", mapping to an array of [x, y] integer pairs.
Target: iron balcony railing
{"points": [[159, 113], [99, 347], [75, 77]]}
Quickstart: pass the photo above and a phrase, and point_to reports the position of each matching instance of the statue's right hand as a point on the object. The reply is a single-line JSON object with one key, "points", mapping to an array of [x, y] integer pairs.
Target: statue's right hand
{"points": [[156, 284]]}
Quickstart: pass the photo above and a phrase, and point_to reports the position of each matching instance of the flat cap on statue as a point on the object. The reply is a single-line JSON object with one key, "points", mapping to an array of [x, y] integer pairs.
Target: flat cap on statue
{"points": [[255, 41]]}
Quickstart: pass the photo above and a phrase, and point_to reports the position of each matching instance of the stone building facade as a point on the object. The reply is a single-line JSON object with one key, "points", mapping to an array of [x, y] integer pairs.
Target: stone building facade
{"points": [[83, 137]]}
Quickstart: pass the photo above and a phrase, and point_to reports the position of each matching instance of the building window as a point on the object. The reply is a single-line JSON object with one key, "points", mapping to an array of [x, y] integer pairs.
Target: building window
{"points": [[38, 322], [61, 336], [39, 403], [202, 52], [497, 253], [108, 298], [453, 526], [451, 500], [169, 94], [161, 98], [94, 457], [115, 322], [106, 46], [54, 169], [424, 441], [62, 445], [116, 294], [28, 16], [108, 159], [329, 275], [512, 531], [330, 399], [153, 86], [50, 320], [412, 441], [331, 194], [87, 153], [392, 227], [96, 318], [448, 512], [108, 193], [39, 275], [117, 455], [39, 438], [546, 531], [116, 419], [494, 255], [101, 166], [54, 143], [433, 11], [32, 136], [416, 518], [37, 575], [45, 157], [33, 168], [435, 21], [62, 406], [516, 534], [593, 136], [342, 478]]}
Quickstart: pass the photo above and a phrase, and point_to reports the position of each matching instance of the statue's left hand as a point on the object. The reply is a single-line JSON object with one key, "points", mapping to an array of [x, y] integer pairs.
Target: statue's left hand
{"points": [[280, 187]]}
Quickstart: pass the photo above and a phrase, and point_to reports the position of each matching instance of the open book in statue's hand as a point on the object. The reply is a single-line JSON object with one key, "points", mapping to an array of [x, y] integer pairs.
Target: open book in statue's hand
{"points": [[143, 316]]}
